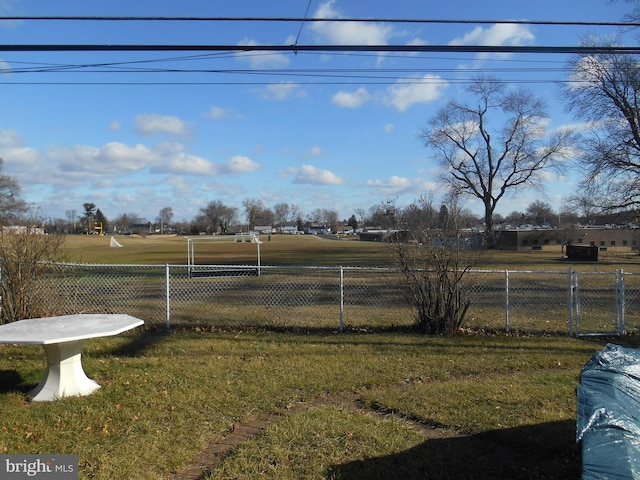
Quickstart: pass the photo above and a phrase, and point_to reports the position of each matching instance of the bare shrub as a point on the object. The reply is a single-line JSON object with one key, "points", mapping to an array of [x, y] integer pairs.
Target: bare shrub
{"points": [[434, 263], [24, 256]]}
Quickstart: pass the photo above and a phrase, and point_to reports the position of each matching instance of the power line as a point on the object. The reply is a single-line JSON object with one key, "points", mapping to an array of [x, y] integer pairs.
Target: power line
{"points": [[313, 19], [439, 81], [306, 12], [585, 50]]}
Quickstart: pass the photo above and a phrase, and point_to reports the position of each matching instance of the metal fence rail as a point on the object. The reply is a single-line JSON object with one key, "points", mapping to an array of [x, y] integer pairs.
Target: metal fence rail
{"points": [[568, 302]]}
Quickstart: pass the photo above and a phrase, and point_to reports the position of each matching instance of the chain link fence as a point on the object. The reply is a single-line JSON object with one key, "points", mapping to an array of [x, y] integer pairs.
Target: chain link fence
{"points": [[338, 298]]}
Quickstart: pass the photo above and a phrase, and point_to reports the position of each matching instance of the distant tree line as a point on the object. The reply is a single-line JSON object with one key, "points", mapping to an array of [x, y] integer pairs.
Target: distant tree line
{"points": [[219, 218]]}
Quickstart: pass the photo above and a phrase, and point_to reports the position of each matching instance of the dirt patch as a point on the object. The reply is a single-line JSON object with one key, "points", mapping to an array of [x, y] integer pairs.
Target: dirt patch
{"points": [[218, 447]]}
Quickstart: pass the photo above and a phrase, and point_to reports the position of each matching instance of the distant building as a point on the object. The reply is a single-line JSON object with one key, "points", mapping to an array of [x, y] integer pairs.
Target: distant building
{"points": [[385, 236], [289, 229], [263, 229], [536, 239], [316, 229]]}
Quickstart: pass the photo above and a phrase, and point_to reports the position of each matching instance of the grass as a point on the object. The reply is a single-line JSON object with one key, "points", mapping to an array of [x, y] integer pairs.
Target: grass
{"points": [[299, 250], [385, 405], [302, 250], [164, 393]]}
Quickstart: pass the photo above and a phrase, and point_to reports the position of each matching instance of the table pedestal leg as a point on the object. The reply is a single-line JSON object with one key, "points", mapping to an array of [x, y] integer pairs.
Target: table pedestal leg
{"points": [[65, 376]]}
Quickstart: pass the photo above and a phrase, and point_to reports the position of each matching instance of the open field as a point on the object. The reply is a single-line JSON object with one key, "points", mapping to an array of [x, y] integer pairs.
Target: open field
{"points": [[303, 250], [320, 406], [309, 295]]}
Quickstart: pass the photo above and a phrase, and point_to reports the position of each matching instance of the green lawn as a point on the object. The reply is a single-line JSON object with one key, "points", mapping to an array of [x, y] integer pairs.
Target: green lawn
{"points": [[340, 405]]}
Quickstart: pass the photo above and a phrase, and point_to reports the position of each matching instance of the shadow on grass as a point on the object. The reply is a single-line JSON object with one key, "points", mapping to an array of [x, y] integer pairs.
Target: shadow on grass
{"points": [[138, 343], [544, 451], [12, 381]]}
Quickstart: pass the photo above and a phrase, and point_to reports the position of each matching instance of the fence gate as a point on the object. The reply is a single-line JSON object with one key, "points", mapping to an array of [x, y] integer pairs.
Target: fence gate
{"points": [[593, 311]]}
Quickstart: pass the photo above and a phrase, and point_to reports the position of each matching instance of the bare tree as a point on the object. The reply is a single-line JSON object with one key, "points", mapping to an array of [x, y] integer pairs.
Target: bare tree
{"points": [[11, 206], [281, 213], [265, 217], [252, 209], [582, 204], [286, 213], [164, 218], [489, 163], [324, 216], [217, 216], [72, 219], [604, 91], [634, 15], [125, 220], [383, 215], [540, 212], [361, 215]]}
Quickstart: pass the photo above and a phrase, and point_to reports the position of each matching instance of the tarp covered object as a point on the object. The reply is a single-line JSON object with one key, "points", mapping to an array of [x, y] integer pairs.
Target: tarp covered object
{"points": [[608, 419]]}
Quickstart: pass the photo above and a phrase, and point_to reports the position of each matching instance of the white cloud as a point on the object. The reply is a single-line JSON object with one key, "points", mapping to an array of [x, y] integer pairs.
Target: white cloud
{"points": [[77, 165], [153, 124], [261, 59], [117, 160], [186, 164], [389, 128], [238, 164], [417, 41], [351, 99], [400, 186], [405, 94], [283, 91], [589, 71], [224, 188], [10, 138], [499, 34], [219, 113], [348, 33], [125, 156], [180, 186], [24, 159], [308, 174], [112, 158], [313, 151], [115, 126]]}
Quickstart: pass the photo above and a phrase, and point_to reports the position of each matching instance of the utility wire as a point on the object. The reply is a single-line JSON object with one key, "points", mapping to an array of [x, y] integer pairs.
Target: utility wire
{"points": [[313, 19], [323, 48], [306, 12]]}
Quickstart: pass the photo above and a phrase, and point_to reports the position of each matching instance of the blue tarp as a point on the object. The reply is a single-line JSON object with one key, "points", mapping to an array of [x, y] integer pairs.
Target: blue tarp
{"points": [[608, 418]]}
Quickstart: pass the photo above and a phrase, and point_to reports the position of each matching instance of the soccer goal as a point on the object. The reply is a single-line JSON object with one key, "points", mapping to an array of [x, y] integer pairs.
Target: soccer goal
{"points": [[114, 243], [196, 270]]}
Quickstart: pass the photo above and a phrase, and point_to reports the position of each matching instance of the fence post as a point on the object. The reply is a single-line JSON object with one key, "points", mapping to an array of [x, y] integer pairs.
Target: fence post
{"points": [[570, 301], [168, 296], [506, 301], [576, 301], [341, 298], [621, 310]]}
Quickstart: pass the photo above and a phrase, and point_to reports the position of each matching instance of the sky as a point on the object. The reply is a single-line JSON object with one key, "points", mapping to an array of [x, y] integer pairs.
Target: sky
{"points": [[134, 132]]}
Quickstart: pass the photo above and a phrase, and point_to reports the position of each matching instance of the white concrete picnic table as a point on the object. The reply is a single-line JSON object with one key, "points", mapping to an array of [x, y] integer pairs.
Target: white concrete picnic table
{"points": [[62, 338]]}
